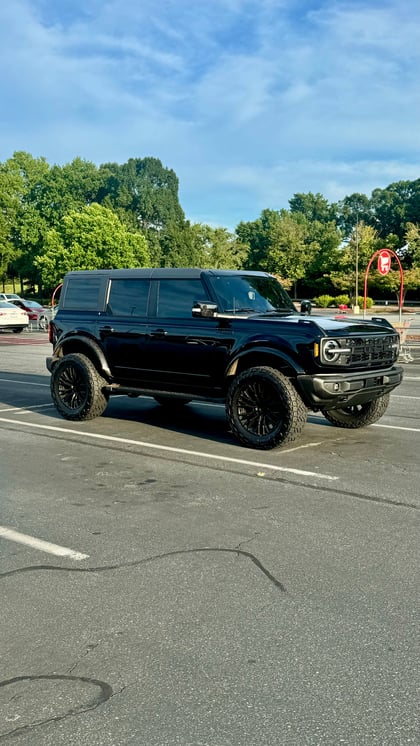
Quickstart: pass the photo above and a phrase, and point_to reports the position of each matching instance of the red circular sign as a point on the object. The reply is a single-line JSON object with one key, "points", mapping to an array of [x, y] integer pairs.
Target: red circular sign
{"points": [[384, 262]]}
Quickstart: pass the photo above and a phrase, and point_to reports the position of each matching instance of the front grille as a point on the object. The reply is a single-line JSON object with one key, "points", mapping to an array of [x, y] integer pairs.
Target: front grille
{"points": [[371, 351]]}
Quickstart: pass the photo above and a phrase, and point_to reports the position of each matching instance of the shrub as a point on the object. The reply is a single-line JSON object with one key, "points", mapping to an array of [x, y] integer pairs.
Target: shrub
{"points": [[342, 300], [323, 301], [369, 302]]}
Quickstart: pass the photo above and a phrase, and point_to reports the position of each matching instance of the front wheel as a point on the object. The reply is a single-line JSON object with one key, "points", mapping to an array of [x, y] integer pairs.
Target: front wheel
{"points": [[18, 330], [264, 409], [77, 388], [358, 415]]}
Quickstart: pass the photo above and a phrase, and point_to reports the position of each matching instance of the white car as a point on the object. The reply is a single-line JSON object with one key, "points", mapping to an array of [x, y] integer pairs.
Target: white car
{"points": [[12, 317], [9, 296]]}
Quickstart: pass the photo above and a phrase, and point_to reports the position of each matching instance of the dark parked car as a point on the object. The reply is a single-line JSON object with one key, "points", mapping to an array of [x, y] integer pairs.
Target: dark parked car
{"points": [[181, 335]]}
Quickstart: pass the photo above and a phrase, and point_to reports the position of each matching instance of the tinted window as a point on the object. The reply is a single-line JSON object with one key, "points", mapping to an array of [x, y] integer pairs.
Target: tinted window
{"points": [[176, 297], [243, 293], [128, 297], [83, 293]]}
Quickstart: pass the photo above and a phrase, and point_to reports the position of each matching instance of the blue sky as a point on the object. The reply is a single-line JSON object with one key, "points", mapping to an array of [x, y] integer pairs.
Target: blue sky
{"points": [[249, 101]]}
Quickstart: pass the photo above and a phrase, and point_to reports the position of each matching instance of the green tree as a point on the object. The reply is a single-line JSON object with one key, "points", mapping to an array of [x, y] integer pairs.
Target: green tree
{"points": [[10, 185], [18, 176], [362, 244], [219, 248], [291, 251], [93, 238], [354, 209], [313, 206], [395, 207], [292, 245], [391, 283], [324, 240], [64, 188], [144, 188], [256, 236], [181, 246], [412, 238]]}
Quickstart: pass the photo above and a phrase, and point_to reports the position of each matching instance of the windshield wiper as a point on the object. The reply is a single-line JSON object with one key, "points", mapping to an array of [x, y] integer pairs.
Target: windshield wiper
{"points": [[278, 311]]}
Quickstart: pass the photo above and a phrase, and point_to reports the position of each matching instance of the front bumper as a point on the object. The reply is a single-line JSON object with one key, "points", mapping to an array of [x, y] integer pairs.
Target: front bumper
{"points": [[335, 390]]}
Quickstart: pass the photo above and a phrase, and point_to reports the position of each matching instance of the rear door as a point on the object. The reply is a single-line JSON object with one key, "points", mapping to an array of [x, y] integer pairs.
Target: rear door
{"points": [[123, 329], [185, 353]]}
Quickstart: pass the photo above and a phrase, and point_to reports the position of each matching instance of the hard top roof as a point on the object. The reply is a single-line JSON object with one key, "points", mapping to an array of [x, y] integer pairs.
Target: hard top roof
{"points": [[161, 273]]}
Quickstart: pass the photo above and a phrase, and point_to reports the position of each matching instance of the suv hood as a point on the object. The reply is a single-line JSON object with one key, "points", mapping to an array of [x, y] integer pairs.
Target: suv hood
{"points": [[337, 325]]}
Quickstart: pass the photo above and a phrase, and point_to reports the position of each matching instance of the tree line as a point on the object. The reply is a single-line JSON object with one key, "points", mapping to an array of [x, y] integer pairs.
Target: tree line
{"points": [[82, 216]]}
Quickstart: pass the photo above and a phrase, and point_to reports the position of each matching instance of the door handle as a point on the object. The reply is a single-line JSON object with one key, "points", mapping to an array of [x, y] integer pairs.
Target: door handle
{"points": [[159, 333], [106, 329]]}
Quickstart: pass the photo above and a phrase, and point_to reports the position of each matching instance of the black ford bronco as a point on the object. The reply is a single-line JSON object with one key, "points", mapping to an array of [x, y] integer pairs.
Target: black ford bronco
{"points": [[182, 335]]}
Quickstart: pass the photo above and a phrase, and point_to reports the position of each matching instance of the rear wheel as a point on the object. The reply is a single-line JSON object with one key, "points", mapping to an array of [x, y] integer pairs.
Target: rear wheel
{"points": [[264, 409], [18, 330], [358, 415], [77, 388]]}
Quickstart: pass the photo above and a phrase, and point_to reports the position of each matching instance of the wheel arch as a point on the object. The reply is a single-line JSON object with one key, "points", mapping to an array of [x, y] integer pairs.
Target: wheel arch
{"points": [[262, 356], [85, 346]]}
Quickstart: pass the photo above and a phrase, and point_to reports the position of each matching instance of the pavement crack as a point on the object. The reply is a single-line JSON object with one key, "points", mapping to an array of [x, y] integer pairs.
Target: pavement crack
{"points": [[91, 646], [105, 693], [154, 558], [247, 541]]}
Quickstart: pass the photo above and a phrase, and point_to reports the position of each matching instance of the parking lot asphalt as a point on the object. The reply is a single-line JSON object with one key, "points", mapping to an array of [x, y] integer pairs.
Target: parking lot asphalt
{"points": [[163, 585]]}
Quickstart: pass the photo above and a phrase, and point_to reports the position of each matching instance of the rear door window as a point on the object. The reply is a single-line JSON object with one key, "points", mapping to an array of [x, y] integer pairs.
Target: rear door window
{"points": [[84, 293], [128, 297]]}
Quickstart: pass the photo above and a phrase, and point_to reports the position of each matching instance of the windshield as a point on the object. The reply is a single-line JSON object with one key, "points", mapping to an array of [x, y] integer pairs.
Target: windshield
{"points": [[251, 294]]}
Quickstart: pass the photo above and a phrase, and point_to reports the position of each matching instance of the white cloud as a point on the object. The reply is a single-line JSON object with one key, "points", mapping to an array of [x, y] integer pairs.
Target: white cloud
{"points": [[250, 101]]}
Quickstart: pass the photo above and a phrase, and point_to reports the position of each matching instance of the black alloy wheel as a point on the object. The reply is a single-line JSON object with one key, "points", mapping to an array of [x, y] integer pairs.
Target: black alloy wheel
{"points": [[264, 409], [77, 388]]}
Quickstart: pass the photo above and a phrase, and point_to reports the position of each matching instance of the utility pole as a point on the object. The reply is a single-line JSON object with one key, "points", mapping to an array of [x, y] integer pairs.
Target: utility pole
{"points": [[356, 308]]}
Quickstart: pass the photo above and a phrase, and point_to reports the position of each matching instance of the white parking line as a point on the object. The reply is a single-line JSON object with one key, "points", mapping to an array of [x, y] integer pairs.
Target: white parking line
{"points": [[397, 427], [170, 449], [401, 396], [44, 546], [25, 383], [22, 410]]}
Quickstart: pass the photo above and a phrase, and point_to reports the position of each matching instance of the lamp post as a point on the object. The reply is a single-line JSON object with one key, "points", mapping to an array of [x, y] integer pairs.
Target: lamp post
{"points": [[356, 308]]}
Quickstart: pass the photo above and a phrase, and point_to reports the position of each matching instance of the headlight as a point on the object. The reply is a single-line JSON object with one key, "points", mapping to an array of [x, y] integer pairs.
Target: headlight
{"points": [[334, 351]]}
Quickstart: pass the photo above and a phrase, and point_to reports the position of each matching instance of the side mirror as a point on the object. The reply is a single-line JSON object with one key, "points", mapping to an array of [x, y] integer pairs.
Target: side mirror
{"points": [[306, 307], [204, 309]]}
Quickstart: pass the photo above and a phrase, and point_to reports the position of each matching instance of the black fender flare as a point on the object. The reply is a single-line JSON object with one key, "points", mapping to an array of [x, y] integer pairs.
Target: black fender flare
{"points": [[85, 345], [281, 356]]}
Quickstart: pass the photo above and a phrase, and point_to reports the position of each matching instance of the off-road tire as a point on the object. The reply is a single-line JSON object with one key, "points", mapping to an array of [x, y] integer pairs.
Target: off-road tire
{"points": [[264, 409], [77, 388], [358, 415]]}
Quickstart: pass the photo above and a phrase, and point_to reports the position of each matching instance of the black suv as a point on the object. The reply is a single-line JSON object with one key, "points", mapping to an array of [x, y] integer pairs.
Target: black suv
{"points": [[181, 335]]}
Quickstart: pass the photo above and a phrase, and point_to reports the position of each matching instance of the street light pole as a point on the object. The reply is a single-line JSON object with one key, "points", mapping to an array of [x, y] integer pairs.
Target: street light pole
{"points": [[356, 300]]}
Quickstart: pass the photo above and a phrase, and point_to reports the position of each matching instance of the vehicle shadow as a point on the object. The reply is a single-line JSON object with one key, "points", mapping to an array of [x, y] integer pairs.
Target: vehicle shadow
{"points": [[198, 420], [202, 420]]}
